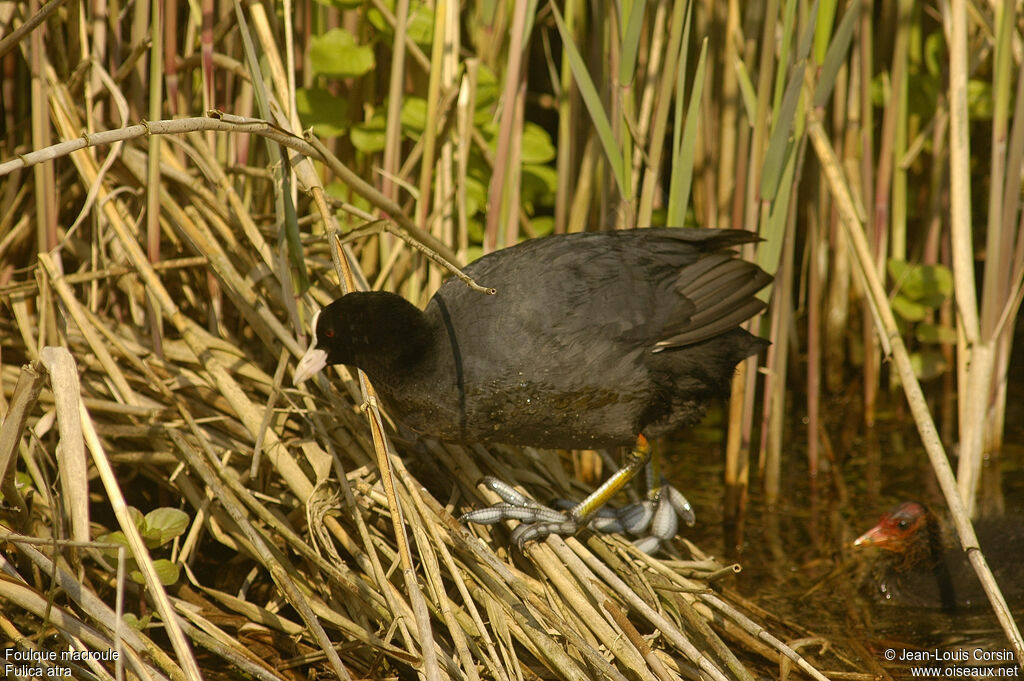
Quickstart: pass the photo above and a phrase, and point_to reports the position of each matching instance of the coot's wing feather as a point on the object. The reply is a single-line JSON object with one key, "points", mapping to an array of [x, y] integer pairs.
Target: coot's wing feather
{"points": [[721, 289], [683, 288]]}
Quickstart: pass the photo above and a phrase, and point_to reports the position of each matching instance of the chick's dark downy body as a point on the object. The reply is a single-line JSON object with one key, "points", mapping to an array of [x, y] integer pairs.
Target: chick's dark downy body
{"points": [[920, 565], [590, 340]]}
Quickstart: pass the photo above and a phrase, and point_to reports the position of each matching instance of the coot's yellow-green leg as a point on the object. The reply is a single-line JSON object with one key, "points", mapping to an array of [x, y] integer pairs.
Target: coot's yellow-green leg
{"points": [[638, 457]]}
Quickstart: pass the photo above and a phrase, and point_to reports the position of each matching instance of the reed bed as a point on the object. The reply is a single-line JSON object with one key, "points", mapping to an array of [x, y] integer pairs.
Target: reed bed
{"points": [[289, 558], [166, 233]]}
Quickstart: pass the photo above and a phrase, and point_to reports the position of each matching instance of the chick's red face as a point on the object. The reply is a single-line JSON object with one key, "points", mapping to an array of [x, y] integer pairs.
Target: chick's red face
{"points": [[896, 529]]}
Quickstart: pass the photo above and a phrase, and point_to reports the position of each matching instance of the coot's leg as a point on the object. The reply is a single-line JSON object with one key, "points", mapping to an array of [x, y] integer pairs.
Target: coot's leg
{"points": [[657, 514], [656, 517]]}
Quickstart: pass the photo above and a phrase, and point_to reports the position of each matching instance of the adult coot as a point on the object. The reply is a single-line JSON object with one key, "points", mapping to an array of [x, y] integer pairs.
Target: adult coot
{"points": [[592, 340], [918, 566]]}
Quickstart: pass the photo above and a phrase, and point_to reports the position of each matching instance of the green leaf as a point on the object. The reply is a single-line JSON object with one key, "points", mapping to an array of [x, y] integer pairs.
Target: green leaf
{"points": [[542, 225], [162, 525], [341, 4], [934, 333], [538, 186], [475, 252], [537, 145], [114, 538], [928, 364], [476, 195], [135, 623], [489, 131], [166, 571], [296, 254], [420, 27], [684, 153], [343, 193], [414, 114], [930, 285], [780, 143], [979, 99], [322, 111], [369, 137], [824, 35], [336, 54], [22, 482], [910, 310], [935, 53], [747, 91], [631, 42], [835, 57], [488, 90]]}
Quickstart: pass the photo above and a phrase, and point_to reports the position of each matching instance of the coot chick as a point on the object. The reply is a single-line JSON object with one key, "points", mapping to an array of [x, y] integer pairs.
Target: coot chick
{"points": [[918, 566], [593, 340]]}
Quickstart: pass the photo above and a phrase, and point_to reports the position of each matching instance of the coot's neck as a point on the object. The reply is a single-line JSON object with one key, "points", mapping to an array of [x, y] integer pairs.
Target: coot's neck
{"points": [[385, 334], [939, 566]]}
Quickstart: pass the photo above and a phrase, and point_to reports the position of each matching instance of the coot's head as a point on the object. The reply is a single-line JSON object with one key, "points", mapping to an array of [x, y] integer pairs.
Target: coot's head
{"points": [[898, 530], [373, 330], [910, 537], [326, 346]]}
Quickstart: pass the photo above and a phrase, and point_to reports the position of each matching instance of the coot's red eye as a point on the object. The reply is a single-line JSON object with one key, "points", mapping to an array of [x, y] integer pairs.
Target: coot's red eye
{"points": [[329, 333]]}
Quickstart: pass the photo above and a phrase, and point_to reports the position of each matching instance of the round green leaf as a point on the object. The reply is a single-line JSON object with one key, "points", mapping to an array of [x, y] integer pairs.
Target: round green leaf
{"points": [[929, 285], [420, 26], [537, 144], [414, 114], [113, 538], [322, 111], [369, 137], [934, 333], [908, 309], [336, 54], [166, 571], [542, 225], [928, 364], [162, 525]]}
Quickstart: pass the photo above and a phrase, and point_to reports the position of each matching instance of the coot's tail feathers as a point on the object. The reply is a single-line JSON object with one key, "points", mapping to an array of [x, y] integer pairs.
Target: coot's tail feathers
{"points": [[709, 240], [721, 290]]}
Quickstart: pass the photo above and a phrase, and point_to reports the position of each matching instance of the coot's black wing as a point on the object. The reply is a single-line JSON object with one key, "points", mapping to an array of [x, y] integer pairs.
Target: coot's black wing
{"points": [[653, 288]]}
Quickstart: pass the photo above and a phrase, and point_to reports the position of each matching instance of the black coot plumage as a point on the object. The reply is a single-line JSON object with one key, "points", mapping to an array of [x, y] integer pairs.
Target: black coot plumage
{"points": [[919, 565], [591, 340]]}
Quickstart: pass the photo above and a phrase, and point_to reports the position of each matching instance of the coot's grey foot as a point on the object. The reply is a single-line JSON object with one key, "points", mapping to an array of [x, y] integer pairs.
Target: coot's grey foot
{"points": [[658, 516], [537, 521], [670, 506]]}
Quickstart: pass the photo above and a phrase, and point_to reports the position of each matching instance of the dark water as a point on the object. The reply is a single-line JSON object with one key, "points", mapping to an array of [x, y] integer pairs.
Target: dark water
{"points": [[797, 557]]}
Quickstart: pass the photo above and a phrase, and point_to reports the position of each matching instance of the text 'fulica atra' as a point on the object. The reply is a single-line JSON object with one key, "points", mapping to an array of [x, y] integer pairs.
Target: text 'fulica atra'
{"points": [[592, 340]]}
